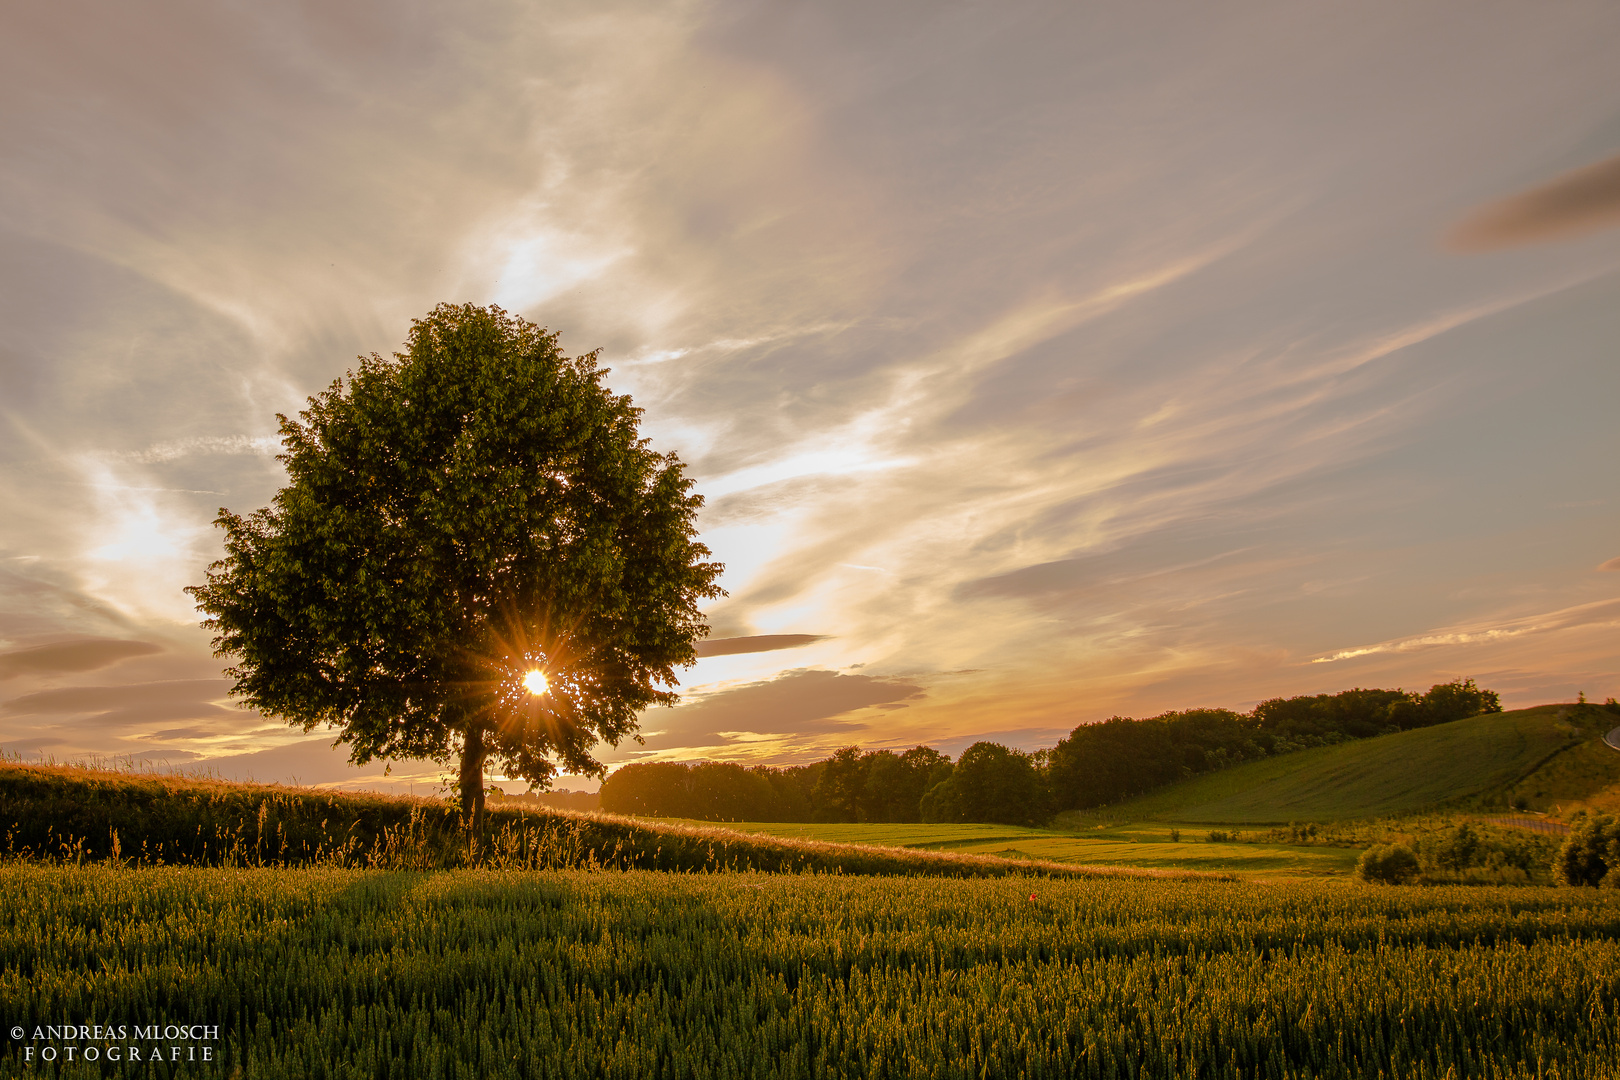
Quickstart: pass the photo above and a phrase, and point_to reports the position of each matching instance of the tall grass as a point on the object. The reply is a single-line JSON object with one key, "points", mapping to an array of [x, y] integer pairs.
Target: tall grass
{"points": [[329, 972], [65, 814]]}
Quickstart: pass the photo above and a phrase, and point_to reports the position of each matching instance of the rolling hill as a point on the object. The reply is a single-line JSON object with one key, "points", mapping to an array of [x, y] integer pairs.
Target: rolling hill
{"points": [[1540, 757], [65, 813]]}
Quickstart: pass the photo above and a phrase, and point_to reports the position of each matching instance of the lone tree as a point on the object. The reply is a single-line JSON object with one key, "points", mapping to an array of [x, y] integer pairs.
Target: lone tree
{"points": [[475, 554]]}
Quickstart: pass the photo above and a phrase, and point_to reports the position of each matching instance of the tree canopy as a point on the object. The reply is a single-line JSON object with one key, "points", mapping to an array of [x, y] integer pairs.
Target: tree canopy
{"points": [[456, 517], [709, 790], [991, 783]]}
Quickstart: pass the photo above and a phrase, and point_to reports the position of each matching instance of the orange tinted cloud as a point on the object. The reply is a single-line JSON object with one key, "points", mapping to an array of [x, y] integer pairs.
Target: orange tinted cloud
{"points": [[1579, 202]]}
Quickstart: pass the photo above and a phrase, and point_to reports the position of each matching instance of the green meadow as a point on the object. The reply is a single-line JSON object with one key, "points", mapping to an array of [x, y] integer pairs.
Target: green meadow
{"points": [[344, 973], [1146, 845], [1405, 773]]}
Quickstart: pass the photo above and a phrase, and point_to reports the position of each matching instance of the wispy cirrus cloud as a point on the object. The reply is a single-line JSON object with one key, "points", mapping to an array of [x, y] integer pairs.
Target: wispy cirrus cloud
{"points": [[174, 449], [1598, 613]]}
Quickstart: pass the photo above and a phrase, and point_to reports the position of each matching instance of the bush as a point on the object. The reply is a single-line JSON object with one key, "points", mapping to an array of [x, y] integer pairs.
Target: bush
{"points": [[1470, 854], [1591, 855], [1391, 864]]}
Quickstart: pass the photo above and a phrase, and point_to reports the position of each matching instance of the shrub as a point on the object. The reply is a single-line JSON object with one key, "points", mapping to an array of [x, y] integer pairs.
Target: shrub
{"points": [[1591, 855], [1391, 864], [1471, 854]]}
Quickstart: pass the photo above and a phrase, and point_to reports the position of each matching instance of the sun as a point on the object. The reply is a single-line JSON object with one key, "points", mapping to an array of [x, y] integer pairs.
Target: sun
{"points": [[535, 682]]}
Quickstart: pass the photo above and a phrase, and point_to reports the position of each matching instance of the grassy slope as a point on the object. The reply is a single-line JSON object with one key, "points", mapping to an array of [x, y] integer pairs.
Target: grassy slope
{"points": [[64, 812], [1393, 774], [1586, 775]]}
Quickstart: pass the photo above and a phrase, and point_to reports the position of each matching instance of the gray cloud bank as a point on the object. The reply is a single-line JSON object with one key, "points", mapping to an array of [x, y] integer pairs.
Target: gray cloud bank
{"points": [[757, 644], [83, 654], [112, 711]]}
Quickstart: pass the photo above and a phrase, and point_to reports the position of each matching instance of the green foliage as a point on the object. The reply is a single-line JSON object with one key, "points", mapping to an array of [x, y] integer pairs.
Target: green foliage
{"points": [[347, 973], [1469, 853], [876, 786], [1591, 854], [708, 791], [454, 516], [841, 789], [1388, 864], [1324, 719], [564, 799], [990, 783], [1106, 762], [1456, 700]]}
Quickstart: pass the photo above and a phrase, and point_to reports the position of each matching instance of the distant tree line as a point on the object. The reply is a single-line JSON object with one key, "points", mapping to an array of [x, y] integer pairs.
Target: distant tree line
{"points": [[877, 785], [711, 791], [557, 799], [1121, 758], [1095, 765]]}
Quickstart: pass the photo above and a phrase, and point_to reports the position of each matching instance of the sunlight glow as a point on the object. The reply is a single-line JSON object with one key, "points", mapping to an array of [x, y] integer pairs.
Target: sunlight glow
{"points": [[535, 682]]}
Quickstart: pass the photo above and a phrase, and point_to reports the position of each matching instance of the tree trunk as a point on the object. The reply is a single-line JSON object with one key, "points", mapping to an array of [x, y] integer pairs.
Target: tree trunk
{"points": [[472, 777]]}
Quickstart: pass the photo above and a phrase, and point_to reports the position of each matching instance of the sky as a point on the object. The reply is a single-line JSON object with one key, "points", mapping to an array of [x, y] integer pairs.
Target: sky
{"points": [[1038, 362]]}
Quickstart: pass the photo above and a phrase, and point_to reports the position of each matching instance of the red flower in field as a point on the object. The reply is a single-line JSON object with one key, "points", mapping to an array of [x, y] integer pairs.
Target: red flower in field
{"points": [[1032, 896]]}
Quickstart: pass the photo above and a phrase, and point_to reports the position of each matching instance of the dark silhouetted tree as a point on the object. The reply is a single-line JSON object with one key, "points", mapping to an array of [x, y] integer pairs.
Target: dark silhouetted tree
{"points": [[841, 791], [456, 516], [990, 783], [709, 790], [1459, 699]]}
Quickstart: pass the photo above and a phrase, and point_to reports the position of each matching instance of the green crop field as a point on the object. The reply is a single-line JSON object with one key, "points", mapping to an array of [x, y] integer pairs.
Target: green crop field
{"points": [[1392, 774], [339, 973], [1146, 845]]}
